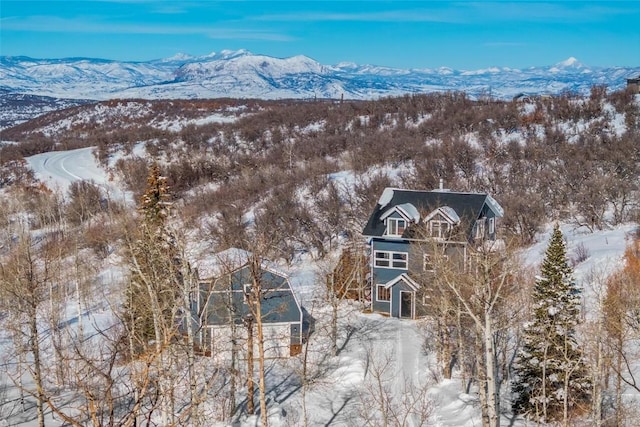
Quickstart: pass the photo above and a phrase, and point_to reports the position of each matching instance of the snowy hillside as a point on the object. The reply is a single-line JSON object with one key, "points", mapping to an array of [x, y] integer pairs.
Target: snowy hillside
{"points": [[306, 176], [242, 74], [375, 348]]}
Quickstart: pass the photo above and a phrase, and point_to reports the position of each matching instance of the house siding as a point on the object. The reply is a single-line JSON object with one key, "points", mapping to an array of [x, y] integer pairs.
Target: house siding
{"points": [[487, 213], [382, 275]]}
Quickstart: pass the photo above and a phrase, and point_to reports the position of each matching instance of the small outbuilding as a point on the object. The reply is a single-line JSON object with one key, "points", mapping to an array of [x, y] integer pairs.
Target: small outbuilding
{"points": [[225, 313]]}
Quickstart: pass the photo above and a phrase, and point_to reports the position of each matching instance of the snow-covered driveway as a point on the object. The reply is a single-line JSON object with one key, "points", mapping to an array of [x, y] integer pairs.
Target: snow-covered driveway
{"points": [[61, 168], [58, 169]]}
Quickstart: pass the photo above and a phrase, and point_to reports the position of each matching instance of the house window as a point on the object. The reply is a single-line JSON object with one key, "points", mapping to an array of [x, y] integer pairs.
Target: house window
{"points": [[439, 229], [492, 225], [201, 296], [427, 265], [425, 298], [471, 265], [480, 228], [382, 293], [427, 262], [246, 292], [206, 338], [388, 259], [396, 226]]}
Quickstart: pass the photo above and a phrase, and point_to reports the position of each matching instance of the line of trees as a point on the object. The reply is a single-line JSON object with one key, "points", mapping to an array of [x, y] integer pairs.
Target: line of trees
{"points": [[108, 347]]}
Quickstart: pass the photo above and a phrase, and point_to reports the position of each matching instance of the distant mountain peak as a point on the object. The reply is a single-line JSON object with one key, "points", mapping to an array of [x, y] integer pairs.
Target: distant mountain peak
{"points": [[346, 64], [242, 74], [228, 54], [570, 62]]}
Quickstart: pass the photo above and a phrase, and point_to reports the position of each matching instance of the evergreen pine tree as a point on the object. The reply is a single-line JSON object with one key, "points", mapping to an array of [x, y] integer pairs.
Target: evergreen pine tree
{"points": [[154, 276], [154, 203], [550, 375]]}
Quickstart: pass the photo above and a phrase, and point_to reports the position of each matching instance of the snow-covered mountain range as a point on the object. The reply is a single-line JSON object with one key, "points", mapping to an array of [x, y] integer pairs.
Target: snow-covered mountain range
{"points": [[242, 74]]}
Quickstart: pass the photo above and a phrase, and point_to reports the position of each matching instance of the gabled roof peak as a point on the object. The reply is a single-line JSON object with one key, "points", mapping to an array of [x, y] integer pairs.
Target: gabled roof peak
{"points": [[407, 210], [404, 277], [449, 213]]}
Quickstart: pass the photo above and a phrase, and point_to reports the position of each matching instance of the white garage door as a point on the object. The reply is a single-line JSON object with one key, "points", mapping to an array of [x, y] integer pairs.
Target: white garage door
{"points": [[277, 339]]}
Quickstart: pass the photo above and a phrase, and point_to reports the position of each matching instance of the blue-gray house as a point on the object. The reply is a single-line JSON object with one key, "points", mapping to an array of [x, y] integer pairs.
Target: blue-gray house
{"points": [[403, 233], [226, 306]]}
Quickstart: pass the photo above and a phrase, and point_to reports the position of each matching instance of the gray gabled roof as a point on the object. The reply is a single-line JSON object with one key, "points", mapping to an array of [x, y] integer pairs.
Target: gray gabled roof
{"points": [[225, 300], [468, 206], [405, 278]]}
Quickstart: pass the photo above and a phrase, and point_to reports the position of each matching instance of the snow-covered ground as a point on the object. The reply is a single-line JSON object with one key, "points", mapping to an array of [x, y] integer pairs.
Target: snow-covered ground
{"points": [[58, 169], [370, 345]]}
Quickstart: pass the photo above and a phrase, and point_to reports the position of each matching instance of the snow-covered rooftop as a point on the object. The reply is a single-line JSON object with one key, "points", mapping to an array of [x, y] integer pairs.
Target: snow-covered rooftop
{"points": [[225, 261], [407, 210]]}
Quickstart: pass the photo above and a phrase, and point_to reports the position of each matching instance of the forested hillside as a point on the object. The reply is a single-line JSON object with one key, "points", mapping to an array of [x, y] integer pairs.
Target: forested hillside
{"points": [[557, 158]]}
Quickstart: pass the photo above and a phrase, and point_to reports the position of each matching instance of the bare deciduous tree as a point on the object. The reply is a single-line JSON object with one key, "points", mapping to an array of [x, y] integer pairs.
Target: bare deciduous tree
{"points": [[478, 290]]}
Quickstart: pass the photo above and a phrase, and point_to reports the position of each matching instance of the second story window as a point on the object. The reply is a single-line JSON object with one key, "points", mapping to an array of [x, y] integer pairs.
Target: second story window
{"points": [[439, 229], [492, 225], [389, 259], [428, 262], [396, 226], [480, 228]]}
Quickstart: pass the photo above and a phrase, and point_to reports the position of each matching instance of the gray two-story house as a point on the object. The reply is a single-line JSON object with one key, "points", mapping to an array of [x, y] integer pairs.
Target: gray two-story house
{"points": [[405, 232]]}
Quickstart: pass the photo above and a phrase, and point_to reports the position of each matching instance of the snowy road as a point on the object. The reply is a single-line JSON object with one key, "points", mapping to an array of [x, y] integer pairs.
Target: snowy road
{"points": [[58, 169]]}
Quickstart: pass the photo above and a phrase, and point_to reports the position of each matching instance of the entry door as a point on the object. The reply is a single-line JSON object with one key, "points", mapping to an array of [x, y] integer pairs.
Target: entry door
{"points": [[406, 304]]}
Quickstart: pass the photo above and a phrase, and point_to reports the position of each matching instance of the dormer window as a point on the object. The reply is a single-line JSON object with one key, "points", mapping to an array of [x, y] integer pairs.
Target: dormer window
{"points": [[439, 229], [441, 222], [396, 226], [398, 218]]}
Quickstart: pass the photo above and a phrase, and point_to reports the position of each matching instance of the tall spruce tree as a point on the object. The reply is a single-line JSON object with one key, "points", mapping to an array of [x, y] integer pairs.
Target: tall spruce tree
{"points": [[154, 269], [551, 380], [155, 202]]}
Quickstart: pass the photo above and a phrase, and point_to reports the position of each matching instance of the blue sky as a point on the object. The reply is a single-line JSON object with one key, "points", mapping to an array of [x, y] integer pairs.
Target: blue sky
{"points": [[403, 34]]}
